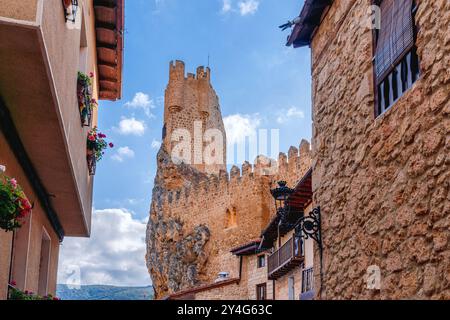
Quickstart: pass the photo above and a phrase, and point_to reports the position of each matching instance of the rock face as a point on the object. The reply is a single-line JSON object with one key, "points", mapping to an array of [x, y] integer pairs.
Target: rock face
{"points": [[382, 182], [199, 211], [175, 257]]}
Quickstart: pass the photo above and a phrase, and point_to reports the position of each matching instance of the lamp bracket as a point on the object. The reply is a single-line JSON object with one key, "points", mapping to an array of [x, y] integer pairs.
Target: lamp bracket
{"points": [[310, 227]]}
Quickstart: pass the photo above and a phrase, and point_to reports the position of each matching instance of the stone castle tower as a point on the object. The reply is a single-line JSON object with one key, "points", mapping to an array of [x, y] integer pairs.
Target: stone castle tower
{"points": [[192, 118], [199, 211]]}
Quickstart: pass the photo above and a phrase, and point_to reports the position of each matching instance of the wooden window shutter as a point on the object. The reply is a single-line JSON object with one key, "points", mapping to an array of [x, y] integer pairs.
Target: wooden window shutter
{"points": [[396, 36]]}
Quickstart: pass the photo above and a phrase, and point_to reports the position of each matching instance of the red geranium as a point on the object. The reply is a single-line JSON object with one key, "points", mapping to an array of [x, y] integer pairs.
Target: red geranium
{"points": [[14, 205]]}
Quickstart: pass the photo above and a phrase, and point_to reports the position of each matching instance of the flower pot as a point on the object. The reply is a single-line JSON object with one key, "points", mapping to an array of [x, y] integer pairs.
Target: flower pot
{"points": [[91, 162], [67, 3]]}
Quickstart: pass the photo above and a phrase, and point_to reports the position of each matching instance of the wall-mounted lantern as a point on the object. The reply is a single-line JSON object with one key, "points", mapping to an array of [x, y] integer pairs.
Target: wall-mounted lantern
{"points": [[281, 194], [307, 226], [70, 10]]}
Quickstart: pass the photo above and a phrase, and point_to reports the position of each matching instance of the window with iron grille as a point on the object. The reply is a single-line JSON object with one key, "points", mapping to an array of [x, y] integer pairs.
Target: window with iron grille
{"points": [[396, 63], [307, 280]]}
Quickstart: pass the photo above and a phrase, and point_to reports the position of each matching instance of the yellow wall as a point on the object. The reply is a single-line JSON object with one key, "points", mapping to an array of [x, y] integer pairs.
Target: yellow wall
{"points": [[19, 10]]}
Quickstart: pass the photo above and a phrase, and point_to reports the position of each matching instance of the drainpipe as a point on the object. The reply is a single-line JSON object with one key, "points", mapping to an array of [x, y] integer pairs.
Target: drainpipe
{"points": [[273, 289], [240, 269]]}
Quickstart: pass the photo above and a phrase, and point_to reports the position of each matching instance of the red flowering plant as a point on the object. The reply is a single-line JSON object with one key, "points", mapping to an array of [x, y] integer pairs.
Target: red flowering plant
{"points": [[96, 143], [16, 294], [14, 205]]}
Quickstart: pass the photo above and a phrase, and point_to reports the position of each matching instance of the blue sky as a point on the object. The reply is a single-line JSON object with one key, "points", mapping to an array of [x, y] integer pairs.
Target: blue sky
{"points": [[261, 84]]}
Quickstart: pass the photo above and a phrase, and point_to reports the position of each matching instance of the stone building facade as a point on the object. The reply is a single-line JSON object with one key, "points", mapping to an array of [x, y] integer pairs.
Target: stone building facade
{"points": [[198, 213], [382, 180]]}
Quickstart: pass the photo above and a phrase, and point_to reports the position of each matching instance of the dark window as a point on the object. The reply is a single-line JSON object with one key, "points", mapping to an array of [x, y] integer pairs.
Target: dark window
{"points": [[261, 291], [164, 132], [396, 62], [261, 261]]}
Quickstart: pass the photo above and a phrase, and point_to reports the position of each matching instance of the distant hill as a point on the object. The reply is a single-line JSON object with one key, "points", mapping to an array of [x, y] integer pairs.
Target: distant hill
{"points": [[100, 292]]}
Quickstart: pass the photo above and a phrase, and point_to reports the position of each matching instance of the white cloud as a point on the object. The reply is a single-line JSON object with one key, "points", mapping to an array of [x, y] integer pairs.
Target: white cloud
{"points": [[114, 255], [226, 7], [131, 126], [247, 7], [240, 126], [122, 154], [142, 101], [156, 144], [289, 114]]}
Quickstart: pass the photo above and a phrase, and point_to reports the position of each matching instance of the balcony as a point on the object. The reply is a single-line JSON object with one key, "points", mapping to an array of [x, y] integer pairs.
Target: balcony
{"points": [[289, 256], [38, 83]]}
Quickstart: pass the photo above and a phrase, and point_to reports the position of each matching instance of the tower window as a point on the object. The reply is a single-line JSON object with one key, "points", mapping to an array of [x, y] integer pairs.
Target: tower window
{"points": [[164, 131], [231, 218]]}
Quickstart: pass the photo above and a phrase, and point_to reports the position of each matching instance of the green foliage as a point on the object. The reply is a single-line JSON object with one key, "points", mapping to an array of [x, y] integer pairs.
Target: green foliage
{"points": [[102, 292], [16, 294], [84, 78]]}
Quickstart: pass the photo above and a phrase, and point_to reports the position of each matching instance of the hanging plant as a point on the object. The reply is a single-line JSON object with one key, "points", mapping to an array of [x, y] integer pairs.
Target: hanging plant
{"points": [[96, 146], [14, 205], [85, 101]]}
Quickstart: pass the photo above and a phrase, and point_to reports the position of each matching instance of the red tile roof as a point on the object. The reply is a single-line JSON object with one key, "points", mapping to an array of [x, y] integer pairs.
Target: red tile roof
{"points": [[188, 293], [246, 248]]}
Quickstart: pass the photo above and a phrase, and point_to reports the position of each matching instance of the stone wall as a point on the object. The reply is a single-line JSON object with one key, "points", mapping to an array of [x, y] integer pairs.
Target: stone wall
{"points": [[382, 183], [188, 235], [230, 292], [256, 276]]}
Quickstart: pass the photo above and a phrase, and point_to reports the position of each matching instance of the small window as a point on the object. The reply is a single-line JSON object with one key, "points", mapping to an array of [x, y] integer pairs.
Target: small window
{"points": [[307, 280], [396, 62], [231, 218], [164, 131], [261, 291], [261, 261]]}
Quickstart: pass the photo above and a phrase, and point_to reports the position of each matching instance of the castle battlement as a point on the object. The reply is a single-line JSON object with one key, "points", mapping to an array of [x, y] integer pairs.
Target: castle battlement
{"points": [[264, 170], [177, 72]]}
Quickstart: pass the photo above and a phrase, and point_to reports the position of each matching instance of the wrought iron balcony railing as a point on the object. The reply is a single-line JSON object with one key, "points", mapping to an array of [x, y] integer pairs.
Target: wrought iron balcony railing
{"points": [[286, 258]]}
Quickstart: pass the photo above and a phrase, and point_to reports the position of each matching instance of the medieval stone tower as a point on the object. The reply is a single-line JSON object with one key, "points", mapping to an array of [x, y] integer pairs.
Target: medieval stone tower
{"points": [[199, 211], [193, 121]]}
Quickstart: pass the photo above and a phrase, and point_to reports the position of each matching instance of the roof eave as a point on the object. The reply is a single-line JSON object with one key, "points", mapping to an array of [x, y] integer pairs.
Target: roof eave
{"points": [[311, 16], [110, 67]]}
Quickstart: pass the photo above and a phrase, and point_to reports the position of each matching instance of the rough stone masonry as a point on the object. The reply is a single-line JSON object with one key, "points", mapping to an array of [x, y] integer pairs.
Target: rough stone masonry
{"points": [[382, 183]]}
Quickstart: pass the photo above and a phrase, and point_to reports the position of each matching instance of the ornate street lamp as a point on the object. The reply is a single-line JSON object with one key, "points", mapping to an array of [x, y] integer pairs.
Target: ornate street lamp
{"points": [[307, 226], [281, 194], [70, 10]]}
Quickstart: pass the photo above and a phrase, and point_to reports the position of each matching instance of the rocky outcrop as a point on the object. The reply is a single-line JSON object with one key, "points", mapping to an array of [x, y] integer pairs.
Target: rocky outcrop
{"points": [[175, 255]]}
